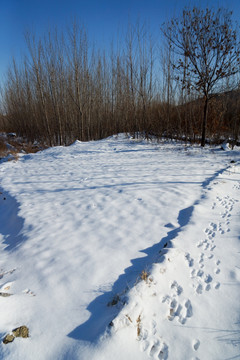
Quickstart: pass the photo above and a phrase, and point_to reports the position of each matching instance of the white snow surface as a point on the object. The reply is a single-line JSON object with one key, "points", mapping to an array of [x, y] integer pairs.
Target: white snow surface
{"points": [[121, 249]]}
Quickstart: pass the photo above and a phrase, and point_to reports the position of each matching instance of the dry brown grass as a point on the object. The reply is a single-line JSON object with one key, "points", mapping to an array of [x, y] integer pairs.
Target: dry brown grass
{"points": [[3, 148], [144, 275], [15, 156], [14, 146], [138, 325], [27, 147]]}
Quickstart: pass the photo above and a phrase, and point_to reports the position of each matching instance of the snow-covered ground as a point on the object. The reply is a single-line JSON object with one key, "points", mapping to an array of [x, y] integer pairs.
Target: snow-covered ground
{"points": [[121, 249]]}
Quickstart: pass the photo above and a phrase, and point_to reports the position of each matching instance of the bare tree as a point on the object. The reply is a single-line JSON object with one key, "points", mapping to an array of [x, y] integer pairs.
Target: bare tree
{"points": [[208, 51]]}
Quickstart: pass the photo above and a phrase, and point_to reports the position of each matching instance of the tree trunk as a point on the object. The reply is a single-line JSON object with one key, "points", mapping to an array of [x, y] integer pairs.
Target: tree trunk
{"points": [[204, 123]]}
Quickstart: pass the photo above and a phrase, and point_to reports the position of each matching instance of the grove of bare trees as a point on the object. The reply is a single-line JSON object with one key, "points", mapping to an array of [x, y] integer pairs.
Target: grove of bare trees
{"points": [[65, 89]]}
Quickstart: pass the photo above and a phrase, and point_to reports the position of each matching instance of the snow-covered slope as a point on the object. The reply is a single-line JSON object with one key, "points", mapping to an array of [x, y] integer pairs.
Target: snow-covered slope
{"points": [[121, 249]]}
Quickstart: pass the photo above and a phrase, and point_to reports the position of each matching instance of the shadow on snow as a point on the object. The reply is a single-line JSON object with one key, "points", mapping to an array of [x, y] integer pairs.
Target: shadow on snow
{"points": [[11, 224], [102, 314]]}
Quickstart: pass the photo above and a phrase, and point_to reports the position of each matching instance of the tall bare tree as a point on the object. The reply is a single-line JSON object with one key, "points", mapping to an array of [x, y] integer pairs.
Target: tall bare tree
{"points": [[208, 51]]}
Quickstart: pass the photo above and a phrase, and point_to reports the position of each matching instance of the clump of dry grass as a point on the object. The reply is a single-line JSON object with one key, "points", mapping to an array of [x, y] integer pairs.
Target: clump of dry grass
{"points": [[3, 148], [138, 326], [14, 156], [27, 147], [11, 147], [144, 275]]}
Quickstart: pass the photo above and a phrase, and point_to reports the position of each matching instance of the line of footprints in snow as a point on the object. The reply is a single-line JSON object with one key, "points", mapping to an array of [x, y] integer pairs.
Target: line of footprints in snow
{"points": [[205, 281], [202, 281]]}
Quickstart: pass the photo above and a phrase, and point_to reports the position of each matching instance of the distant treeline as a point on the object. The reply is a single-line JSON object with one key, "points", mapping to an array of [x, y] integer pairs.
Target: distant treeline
{"points": [[65, 89]]}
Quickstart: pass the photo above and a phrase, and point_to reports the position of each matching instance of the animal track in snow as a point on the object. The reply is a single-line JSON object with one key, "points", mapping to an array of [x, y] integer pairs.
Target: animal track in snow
{"points": [[206, 247], [199, 289], [152, 344], [227, 204], [189, 260], [163, 353], [211, 231], [196, 344], [236, 186], [201, 257], [193, 273], [3, 273], [213, 206], [177, 288], [207, 279], [200, 273], [29, 292], [144, 345], [188, 307], [186, 312], [224, 227], [202, 278], [158, 350], [179, 311], [201, 261], [201, 243]]}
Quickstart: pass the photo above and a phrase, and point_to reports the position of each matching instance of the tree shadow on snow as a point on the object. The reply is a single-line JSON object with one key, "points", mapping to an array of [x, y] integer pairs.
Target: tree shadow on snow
{"points": [[11, 224], [106, 307]]}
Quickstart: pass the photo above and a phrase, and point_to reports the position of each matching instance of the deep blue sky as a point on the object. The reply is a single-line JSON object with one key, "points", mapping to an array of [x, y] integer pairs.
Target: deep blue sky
{"points": [[102, 18]]}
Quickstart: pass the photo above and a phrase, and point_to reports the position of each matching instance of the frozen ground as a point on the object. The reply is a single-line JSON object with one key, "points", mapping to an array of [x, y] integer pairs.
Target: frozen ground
{"points": [[121, 249]]}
